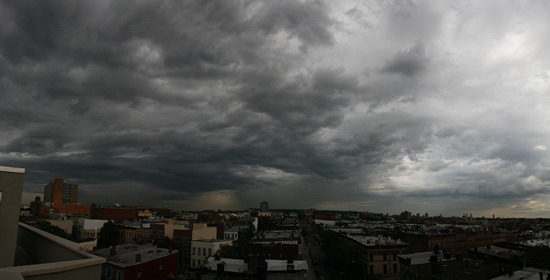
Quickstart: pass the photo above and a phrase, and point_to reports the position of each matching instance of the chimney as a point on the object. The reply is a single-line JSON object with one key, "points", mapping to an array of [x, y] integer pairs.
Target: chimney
{"points": [[138, 258]]}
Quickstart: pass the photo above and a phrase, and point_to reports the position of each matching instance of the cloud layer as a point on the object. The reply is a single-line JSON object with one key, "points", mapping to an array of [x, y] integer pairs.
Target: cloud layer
{"points": [[436, 107]]}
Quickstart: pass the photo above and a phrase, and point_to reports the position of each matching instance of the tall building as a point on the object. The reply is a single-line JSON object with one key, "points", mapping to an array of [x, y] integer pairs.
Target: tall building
{"points": [[61, 197], [11, 187], [59, 192], [264, 206]]}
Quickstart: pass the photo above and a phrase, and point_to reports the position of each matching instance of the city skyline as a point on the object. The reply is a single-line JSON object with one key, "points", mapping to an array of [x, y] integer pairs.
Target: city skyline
{"points": [[426, 106]]}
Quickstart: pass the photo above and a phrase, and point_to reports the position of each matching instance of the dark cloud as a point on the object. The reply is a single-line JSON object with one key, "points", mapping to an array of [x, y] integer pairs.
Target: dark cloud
{"points": [[173, 103], [409, 62]]}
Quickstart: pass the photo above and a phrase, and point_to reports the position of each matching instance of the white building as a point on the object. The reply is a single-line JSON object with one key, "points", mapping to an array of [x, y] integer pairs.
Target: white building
{"points": [[201, 250], [233, 233], [89, 228]]}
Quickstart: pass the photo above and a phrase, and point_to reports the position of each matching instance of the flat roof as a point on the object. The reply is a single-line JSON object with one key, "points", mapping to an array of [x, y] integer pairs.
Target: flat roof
{"points": [[126, 254], [12, 169], [424, 257]]}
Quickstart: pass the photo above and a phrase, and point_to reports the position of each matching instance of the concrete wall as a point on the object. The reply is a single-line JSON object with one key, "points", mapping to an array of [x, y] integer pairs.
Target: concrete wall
{"points": [[82, 273], [54, 258], [11, 187]]}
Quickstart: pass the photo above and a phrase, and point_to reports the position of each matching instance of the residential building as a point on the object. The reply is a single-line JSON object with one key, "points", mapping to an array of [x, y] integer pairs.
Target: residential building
{"points": [[233, 233], [117, 214], [432, 265], [379, 254], [201, 250], [454, 243], [133, 235], [89, 228], [129, 262]]}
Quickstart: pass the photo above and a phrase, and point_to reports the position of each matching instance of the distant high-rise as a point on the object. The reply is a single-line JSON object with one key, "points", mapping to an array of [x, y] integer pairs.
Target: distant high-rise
{"points": [[59, 192], [264, 206]]}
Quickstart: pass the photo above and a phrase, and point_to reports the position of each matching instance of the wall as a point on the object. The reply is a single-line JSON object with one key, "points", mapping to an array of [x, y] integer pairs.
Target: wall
{"points": [[54, 258], [202, 231], [11, 186]]}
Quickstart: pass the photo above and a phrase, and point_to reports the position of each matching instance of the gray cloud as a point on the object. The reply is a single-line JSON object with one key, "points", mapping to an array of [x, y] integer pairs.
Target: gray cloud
{"points": [[176, 102], [409, 62]]}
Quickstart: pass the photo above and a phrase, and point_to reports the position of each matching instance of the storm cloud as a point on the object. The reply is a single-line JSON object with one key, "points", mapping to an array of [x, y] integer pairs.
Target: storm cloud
{"points": [[438, 107]]}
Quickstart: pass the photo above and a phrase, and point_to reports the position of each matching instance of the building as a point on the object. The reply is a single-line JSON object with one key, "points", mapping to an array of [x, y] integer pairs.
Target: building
{"points": [[61, 197], [405, 215], [117, 214], [133, 235], [59, 192], [89, 228], [201, 250], [233, 233], [62, 223], [432, 265], [128, 262], [264, 206], [35, 206], [182, 233], [11, 187], [167, 228], [454, 243], [378, 254]]}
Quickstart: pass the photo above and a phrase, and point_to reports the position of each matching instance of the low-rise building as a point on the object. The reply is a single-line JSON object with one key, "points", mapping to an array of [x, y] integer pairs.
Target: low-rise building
{"points": [[233, 233], [201, 250], [126, 262], [429, 265], [89, 228], [133, 235]]}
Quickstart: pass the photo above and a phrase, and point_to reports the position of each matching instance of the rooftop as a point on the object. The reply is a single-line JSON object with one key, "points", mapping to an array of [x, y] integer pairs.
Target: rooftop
{"points": [[126, 254], [12, 169], [423, 257]]}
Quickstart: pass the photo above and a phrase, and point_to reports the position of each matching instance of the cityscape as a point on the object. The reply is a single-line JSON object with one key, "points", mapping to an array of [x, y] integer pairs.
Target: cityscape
{"points": [[261, 139], [118, 241]]}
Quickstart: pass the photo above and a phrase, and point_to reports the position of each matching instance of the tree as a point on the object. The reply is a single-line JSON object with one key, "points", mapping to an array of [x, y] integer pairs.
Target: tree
{"points": [[55, 230], [167, 243], [108, 235], [240, 248]]}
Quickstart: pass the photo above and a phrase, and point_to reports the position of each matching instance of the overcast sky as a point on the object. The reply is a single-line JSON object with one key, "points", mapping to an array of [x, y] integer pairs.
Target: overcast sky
{"points": [[381, 106]]}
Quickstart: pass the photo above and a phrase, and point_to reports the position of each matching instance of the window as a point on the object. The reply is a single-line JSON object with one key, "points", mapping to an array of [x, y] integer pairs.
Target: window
{"points": [[210, 251], [394, 268], [371, 257], [394, 256], [385, 268], [139, 275], [193, 263], [204, 251], [194, 251], [160, 267], [371, 269], [384, 256]]}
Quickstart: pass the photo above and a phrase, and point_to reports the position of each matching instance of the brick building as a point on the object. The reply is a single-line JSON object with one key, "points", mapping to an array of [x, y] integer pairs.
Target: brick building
{"points": [[129, 262], [117, 214]]}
